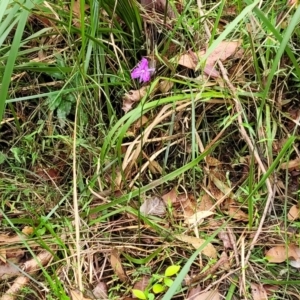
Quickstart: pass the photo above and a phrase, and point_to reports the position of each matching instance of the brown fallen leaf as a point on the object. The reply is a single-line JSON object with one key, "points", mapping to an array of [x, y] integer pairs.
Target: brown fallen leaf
{"points": [[154, 167], [280, 254], [3, 255], [224, 236], [233, 209], [14, 289], [142, 284], [76, 7], [170, 197], [295, 263], [220, 184], [258, 292], [206, 203], [291, 165], [209, 250], [187, 60], [117, 265], [11, 239], [210, 295], [223, 51], [154, 206], [132, 97], [165, 86], [100, 290], [198, 217], [270, 288], [8, 270], [294, 213], [139, 124], [211, 71], [194, 292], [212, 162]]}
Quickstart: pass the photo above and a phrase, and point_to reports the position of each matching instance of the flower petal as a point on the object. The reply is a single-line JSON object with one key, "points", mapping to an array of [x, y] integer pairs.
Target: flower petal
{"points": [[142, 71], [136, 73], [144, 64], [145, 76]]}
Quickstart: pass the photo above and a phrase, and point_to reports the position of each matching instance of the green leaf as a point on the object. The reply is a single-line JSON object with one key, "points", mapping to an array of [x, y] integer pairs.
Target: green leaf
{"points": [[172, 270], [158, 288], [151, 296], [54, 101], [3, 157], [168, 281], [139, 294]]}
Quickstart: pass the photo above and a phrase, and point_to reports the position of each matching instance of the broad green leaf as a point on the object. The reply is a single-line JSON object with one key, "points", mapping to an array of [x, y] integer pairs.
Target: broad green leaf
{"points": [[139, 294], [168, 281], [158, 288], [151, 296], [172, 270]]}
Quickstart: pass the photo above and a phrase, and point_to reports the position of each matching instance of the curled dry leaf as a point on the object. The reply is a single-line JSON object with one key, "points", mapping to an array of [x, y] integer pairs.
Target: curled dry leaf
{"points": [[209, 250], [100, 290], [154, 206], [132, 97], [258, 292], [117, 265], [294, 213]]}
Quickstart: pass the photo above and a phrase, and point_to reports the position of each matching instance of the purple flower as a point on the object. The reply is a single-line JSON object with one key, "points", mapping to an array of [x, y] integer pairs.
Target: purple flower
{"points": [[142, 71]]}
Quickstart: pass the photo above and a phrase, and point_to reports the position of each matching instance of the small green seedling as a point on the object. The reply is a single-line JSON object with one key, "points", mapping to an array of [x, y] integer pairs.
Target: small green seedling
{"points": [[162, 282]]}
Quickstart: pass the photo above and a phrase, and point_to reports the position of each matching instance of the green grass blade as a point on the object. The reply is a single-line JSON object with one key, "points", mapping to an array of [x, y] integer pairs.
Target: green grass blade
{"points": [[13, 55]]}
